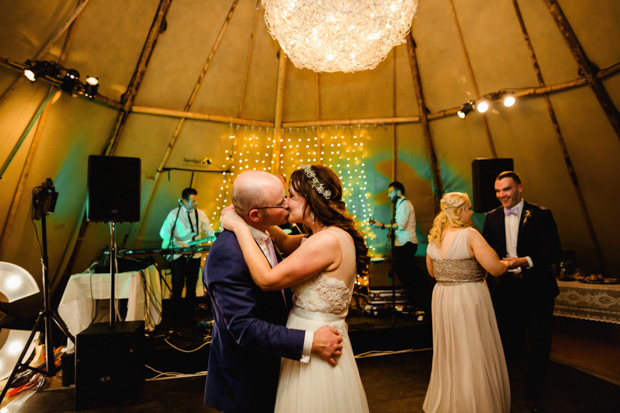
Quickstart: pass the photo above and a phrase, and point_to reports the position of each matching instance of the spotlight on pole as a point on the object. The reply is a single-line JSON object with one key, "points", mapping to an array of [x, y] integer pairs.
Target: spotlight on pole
{"points": [[37, 69], [70, 80], [91, 86]]}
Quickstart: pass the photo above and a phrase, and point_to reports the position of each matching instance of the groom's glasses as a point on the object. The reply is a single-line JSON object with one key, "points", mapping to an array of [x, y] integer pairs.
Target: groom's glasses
{"points": [[283, 206]]}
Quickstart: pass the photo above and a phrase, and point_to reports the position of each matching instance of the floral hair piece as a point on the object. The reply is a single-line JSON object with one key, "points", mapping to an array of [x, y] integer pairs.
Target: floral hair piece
{"points": [[316, 184]]}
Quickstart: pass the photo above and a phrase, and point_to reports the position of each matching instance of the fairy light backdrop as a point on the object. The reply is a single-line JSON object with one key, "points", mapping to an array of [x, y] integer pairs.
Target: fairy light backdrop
{"points": [[343, 149]]}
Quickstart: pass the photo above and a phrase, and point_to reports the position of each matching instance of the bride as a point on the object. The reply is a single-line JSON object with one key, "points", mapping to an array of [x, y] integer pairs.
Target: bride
{"points": [[469, 369], [320, 269]]}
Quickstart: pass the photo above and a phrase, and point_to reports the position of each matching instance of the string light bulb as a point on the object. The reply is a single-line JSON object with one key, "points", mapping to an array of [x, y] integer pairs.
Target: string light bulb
{"points": [[482, 106], [509, 101]]}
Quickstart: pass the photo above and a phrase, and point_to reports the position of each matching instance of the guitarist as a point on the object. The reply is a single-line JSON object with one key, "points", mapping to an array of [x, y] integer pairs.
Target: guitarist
{"points": [[405, 246], [185, 224]]}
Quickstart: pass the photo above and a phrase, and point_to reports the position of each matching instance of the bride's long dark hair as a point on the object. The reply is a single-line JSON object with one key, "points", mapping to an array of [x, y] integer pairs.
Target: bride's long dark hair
{"points": [[332, 211]]}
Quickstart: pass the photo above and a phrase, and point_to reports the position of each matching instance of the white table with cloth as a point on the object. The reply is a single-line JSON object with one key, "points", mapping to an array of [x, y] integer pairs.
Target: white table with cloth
{"points": [[595, 302], [141, 288]]}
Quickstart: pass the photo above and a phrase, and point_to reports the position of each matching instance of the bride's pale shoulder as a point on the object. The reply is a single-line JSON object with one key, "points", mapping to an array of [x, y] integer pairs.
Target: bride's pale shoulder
{"points": [[327, 234]]}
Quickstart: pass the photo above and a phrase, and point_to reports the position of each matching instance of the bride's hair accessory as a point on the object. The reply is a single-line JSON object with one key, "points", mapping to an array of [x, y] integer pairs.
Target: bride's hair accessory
{"points": [[316, 184]]}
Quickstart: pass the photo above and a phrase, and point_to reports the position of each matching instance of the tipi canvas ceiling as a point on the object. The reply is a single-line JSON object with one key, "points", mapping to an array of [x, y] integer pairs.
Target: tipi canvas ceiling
{"points": [[185, 84]]}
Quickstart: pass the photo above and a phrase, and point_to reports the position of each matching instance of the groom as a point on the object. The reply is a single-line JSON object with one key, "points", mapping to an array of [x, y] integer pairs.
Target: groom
{"points": [[526, 235], [249, 336]]}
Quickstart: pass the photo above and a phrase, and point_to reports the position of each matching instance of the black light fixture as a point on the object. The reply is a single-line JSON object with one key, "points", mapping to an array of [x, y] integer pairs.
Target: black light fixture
{"points": [[91, 86], [37, 69], [465, 109], [70, 80]]}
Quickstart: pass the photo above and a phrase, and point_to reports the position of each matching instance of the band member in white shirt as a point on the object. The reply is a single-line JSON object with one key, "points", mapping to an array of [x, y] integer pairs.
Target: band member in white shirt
{"points": [[405, 247], [185, 226]]}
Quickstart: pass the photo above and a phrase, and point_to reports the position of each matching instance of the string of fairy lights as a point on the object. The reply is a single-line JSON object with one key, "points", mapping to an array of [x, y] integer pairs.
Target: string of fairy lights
{"points": [[340, 148]]}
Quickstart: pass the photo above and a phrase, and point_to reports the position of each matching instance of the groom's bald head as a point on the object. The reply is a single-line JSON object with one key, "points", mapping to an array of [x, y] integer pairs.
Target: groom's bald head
{"points": [[256, 189]]}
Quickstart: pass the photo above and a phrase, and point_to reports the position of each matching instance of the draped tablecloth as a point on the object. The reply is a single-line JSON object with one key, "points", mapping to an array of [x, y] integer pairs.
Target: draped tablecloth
{"points": [[596, 302], [142, 289]]}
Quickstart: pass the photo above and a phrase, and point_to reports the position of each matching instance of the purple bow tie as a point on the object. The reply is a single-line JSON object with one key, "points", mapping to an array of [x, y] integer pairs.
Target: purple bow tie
{"points": [[511, 211]]}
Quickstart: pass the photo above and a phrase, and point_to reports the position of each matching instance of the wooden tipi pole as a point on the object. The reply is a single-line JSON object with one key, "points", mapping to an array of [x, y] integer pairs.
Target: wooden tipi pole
{"points": [[73, 246], [472, 79], [277, 124], [560, 138], [51, 42], [177, 131], [248, 59], [36, 139], [319, 137], [394, 135], [426, 130], [586, 66]]}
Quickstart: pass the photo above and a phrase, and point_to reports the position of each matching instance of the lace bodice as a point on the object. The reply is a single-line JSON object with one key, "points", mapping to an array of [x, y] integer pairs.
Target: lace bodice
{"points": [[325, 293], [457, 266]]}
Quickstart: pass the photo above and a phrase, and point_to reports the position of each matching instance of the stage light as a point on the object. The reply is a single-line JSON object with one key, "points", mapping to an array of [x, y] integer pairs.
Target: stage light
{"points": [[91, 87], [482, 106], [70, 80], [509, 101], [37, 69], [465, 109]]}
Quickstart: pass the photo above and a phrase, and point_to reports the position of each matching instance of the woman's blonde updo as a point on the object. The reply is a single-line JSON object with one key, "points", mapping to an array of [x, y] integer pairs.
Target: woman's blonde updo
{"points": [[452, 205]]}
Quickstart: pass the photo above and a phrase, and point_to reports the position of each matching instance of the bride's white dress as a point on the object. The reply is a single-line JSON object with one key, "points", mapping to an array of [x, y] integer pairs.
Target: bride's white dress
{"points": [[469, 369], [317, 386]]}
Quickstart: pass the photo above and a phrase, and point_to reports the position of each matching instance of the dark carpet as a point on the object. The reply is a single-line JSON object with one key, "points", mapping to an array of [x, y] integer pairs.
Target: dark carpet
{"points": [[394, 383]]}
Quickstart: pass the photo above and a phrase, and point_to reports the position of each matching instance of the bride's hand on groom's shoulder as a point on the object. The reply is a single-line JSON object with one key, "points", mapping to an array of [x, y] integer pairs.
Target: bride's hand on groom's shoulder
{"points": [[230, 218]]}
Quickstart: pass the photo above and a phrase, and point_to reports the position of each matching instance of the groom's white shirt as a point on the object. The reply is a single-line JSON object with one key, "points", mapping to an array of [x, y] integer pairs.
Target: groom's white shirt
{"points": [[511, 223], [261, 239]]}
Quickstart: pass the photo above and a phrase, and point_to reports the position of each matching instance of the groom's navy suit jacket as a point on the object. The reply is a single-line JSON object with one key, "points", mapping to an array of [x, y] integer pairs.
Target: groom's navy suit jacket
{"points": [[538, 239], [249, 336]]}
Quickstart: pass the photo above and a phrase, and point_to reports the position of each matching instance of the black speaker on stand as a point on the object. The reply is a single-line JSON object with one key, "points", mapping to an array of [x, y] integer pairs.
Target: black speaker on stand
{"points": [[484, 172], [109, 362]]}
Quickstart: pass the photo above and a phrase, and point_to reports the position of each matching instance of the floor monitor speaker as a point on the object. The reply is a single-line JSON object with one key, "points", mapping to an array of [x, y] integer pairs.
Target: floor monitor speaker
{"points": [[484, 172], [113, 189], [109, 364]]}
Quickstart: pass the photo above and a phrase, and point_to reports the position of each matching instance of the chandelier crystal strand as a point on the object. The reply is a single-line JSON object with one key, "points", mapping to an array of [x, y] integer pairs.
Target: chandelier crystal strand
{"points": [[338, 35]]}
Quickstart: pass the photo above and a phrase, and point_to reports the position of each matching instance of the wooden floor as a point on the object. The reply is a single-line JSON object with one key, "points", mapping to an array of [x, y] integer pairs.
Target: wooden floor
{"points": [[575, 344], [591, 348]]}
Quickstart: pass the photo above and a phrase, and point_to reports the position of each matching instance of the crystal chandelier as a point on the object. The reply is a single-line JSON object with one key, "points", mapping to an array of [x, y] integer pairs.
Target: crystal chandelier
{"points": [[338, 35]]}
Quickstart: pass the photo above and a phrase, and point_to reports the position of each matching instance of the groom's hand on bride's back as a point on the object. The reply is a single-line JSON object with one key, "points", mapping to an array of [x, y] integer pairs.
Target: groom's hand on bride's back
{"points": [[327, 344]]}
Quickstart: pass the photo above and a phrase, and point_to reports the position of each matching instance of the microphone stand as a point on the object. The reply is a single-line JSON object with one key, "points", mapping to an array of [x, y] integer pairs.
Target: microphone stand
{"points": [[391, 240]]}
